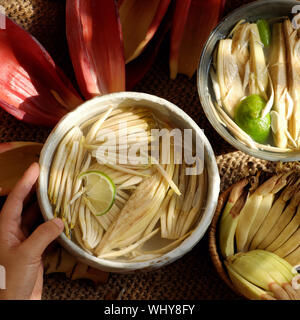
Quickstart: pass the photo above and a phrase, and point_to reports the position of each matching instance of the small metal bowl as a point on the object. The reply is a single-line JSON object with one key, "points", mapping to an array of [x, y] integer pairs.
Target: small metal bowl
{"points": [[264, 9], [163, 108]]}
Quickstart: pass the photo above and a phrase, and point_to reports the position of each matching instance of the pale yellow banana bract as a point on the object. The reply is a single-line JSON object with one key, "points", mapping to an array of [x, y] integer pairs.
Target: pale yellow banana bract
{"points": [[244, 286], [267, 190], [278, 268], [272, 217], [249, 213], [254, 271], [286, 233], [294, 257], [282, 222], [229, 219], [290, 245]]}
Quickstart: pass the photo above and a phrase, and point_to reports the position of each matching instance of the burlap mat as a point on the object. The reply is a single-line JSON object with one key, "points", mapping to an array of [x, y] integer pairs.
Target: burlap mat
{"points": [[193, 276]]}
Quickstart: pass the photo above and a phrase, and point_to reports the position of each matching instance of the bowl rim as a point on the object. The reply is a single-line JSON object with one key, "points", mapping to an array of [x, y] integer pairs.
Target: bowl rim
{"points": [[203, 93], [187, 244]]}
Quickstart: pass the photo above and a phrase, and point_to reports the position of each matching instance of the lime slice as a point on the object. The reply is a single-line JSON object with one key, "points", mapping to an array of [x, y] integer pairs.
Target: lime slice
{"points": [[100, 191]]}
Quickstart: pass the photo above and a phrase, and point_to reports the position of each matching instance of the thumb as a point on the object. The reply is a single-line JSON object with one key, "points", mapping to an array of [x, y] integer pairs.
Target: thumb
{"points": [[39, 240]]}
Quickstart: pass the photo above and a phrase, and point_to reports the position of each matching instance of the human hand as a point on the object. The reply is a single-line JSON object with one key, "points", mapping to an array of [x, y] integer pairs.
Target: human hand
{"points": [[284, 292], [21, 253]]}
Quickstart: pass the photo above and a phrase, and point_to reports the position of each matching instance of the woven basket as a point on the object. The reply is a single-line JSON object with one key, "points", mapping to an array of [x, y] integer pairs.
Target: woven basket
{"points": [[213, 230]]}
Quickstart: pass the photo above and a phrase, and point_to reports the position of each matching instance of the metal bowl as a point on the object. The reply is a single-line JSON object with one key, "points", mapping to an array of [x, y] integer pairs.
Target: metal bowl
{"points": [[163, 108], [264, 9]]}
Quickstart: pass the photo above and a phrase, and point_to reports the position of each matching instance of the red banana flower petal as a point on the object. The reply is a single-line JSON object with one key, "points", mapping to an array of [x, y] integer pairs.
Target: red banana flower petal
{"points": [[96, 46], [119, 2], [32, 87], [15, 158], [222, 8], [140, 20], [136, 69], [179, 22], [192, 23]]}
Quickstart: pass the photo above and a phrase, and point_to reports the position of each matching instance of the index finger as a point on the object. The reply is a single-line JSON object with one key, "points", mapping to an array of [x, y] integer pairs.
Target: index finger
{"points": [[13, 206], [279, 292], [294, 294]]}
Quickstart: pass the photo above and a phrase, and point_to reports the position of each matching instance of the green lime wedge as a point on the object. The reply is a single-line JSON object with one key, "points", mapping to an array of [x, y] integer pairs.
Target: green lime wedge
{"points": [[248, 117], [100, 191]]}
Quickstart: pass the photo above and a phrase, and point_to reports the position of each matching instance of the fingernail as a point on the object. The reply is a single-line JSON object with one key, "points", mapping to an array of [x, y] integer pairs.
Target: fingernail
{"points": [[58, 222]]}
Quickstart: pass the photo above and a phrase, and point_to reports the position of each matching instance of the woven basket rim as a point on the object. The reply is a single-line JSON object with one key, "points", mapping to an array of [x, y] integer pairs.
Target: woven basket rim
{"points": [[212, 240]]}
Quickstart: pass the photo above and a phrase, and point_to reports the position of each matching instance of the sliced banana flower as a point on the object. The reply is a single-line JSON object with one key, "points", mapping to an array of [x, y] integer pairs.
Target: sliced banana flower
{"points": [[92, 134], [59, 162], [270, 102], [246, 76], [216, 86], [290, 104], [258, 82], [279, 80], [228, 76], [67, 170], [236, 130], [114, 254], [240, 47], [78, 238], [167, 248], [143, 191], [292, 141], [293, 71], [135, 180], [275, 120], [132, 213], [106, 220]]}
